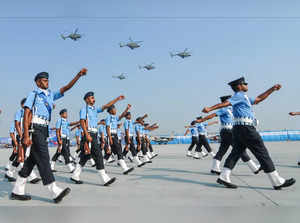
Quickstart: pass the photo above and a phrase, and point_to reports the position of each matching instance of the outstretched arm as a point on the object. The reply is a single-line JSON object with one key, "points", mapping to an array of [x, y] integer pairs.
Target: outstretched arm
{"points": [[212, 123], [186, 132], [122, 97], [125, 112], [294, 113], [217, 106], [75, 123], [266, 94], [207, 118], [72, 82]]}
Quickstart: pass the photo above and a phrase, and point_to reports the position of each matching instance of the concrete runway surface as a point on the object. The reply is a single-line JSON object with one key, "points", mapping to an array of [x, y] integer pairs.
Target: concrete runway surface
{"points": [[174, 188]]}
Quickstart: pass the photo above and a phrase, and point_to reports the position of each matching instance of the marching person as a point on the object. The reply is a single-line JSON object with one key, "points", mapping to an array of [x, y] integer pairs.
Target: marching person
{"points": [[22, 153], [9, 175], [226, 119], [104, 142], [78, 135], [37, 115], [294, 114], [202, 139], [90, 143], [63, 140], [129, 141], [195, 135], [246, 136], [148, 129], [112, 130]]}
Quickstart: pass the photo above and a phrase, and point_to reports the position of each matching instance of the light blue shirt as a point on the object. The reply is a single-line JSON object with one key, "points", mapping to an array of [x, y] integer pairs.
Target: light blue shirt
{"points": [[225, 115], [102, 129], [12, 128], [194, 131], [137, 129], [112, 122], [40, 108], [242, 105], [119, 132], [128, 125], [78, 132], [64, 126], [201, 127], [92, 115], [19, 115]]}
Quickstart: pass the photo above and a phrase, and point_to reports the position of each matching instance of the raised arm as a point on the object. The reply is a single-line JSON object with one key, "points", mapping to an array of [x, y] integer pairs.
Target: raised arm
{"points": [[207, 118], [82, 72], [125, 112], [217, 106], [121, 97], [145, 116], [186, 132], [266, 94], [212, 123], [294, 113]]}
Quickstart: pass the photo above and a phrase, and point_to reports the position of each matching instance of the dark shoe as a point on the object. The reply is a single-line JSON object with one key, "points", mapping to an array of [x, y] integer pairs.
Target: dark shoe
{"points": [[53, 171], [215, 172], [142, 164], [64, 193], [205, 155], [130, 159], [10, 179], [76, 181], [298, 163], [110, 181], [260, 169], [286, 183], [155, 155], [7, 169], [226, 184], [35, 181], [20, 197], [128, 171]]}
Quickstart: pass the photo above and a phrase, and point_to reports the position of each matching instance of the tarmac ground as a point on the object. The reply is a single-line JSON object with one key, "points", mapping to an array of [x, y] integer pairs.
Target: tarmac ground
{"points": [[173, 188]]}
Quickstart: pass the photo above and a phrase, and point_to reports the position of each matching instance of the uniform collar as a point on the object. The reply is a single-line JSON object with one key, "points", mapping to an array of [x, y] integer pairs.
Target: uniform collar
{"points": [[40, 90], [91, 107], [64, 119]]}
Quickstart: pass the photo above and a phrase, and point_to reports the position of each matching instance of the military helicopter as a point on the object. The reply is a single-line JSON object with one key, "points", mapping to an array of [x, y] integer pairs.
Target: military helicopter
{"points": [[131, 44], [73, 36], [120, 77], [148, 67], [183, 54]]}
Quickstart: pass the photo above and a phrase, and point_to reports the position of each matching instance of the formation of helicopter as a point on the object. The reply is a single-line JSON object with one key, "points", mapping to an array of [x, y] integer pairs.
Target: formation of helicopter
{"points": [[120, 77], [73, 36], [131, 44]]}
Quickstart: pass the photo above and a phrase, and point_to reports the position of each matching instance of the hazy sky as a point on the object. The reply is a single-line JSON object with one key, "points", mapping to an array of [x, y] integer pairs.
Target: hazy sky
{"points": [[228, 39]]}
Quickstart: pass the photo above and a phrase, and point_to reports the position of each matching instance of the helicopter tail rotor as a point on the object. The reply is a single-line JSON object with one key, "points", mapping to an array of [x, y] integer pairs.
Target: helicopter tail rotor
{"points": [[140, 67], [172, 54], [121, 44]]}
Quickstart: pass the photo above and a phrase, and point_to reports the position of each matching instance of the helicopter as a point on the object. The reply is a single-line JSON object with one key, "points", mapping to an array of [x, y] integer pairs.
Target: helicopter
{"points": [[120, 77], [183, 54], [73, 36], [148, 67], [131, 44]]}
